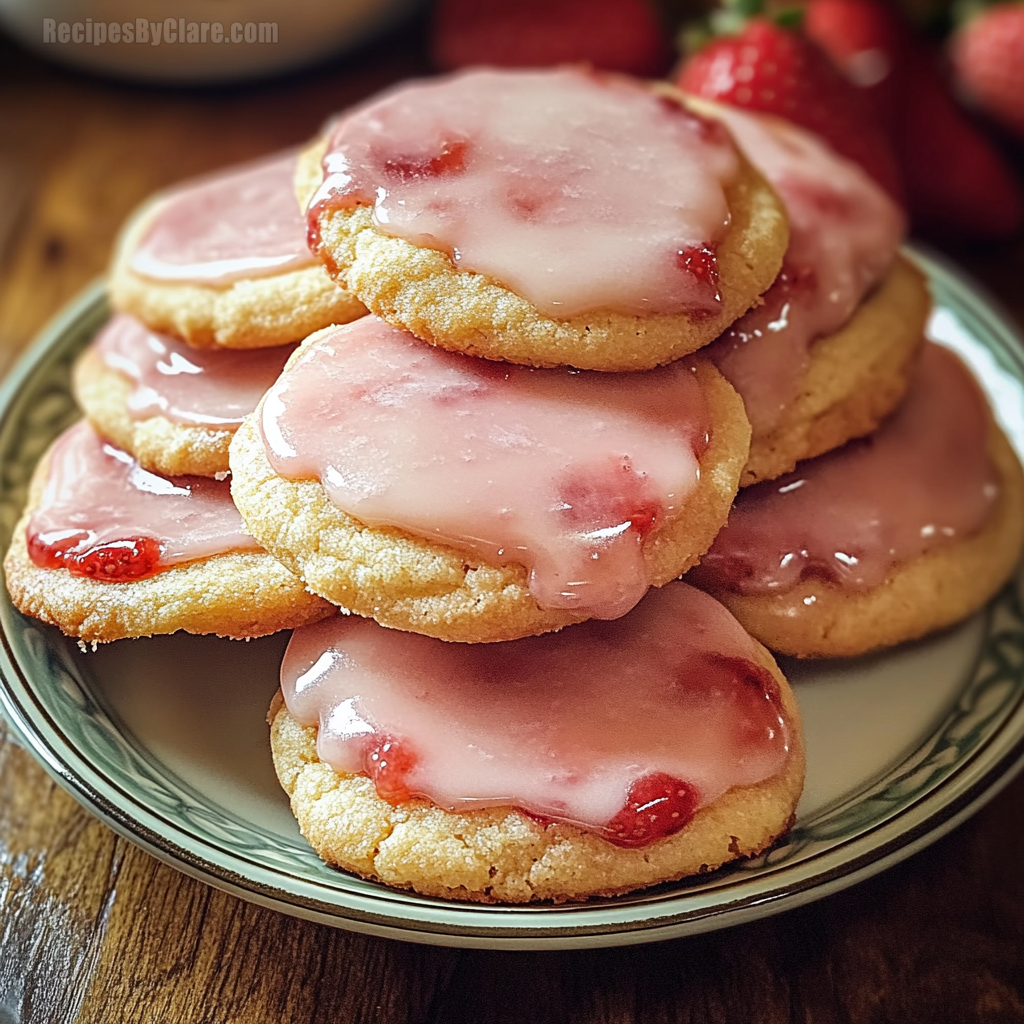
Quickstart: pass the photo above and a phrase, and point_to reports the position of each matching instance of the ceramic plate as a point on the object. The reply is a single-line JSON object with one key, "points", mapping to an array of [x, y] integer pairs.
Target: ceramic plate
{"points": [[165, 738]]}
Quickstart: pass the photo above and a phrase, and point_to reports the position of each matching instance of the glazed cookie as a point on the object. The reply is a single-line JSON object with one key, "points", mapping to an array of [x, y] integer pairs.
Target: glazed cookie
{"points": [[477, 501], [885, 540], [826, 355], [544, 217], [852, 379], [223, 261], [173, 407], [106, 550], [586, 763]]}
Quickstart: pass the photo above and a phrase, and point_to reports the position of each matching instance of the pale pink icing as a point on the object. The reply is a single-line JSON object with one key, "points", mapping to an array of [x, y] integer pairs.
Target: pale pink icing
{"points": [[241, 223], [924, 479], [844, 232], [205, 387], [558, 725], [577, 191], [96, 494], [563, 471]]}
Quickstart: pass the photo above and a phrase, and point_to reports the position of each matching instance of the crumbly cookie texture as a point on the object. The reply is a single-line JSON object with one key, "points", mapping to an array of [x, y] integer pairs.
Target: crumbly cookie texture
{"points": [[422, 291], [407, 582], [855, 378], [256, 312], [239, 594], [500, 855], [157, 443], [933, 591]]}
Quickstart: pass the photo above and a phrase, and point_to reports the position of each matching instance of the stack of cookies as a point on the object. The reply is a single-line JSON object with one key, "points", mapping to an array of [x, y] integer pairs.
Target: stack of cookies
{"points": [[597, 310]]}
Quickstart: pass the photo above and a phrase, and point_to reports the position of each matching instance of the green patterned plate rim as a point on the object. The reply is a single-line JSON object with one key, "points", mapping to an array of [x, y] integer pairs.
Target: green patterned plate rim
{"points": [[48, 695]]}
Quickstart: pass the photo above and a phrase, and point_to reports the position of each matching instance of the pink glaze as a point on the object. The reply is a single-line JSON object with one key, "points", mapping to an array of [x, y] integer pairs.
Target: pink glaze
{"points": [[98, 498], [195, 386], [844, 232], [241, 223], [923, 480], [560, 725], [563, 471], [577, 191]]}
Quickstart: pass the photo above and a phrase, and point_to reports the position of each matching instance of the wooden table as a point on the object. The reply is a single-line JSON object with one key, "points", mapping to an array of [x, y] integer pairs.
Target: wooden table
{"points": [[94, 930]]}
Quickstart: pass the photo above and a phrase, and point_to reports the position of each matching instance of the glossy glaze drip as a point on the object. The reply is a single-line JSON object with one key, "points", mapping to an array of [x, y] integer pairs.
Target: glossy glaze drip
{"points": [[844, 232], [561, 725], [103, 515], [923, 480], [242, 223], [577, 191], [196, 386], [563, 471]]}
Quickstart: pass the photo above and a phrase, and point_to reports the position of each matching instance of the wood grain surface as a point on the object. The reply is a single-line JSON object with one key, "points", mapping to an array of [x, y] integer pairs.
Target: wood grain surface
{"points": [[94, 930]]}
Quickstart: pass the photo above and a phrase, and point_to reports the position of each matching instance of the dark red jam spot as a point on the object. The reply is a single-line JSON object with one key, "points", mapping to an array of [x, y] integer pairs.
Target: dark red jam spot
{"points": [[388, 762], [133, 558], [613, 496], [748, 674], [702, 263], [659, 805], [49, 550], [451, 160]]}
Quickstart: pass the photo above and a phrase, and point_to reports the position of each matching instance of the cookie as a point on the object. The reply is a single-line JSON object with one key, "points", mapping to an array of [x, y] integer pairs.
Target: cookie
{"points": [[884, 540], [852, 380], [237, 591], [173, 407], [223, 261], [545, 218], [826, 355], [484, 502], [492, 786]]}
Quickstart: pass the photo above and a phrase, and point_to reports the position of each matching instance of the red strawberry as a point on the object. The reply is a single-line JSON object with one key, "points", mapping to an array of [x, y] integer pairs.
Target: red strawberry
{"points": [[988, 55], [956, 182], [616, 35], [778, 71], [658, 805]]}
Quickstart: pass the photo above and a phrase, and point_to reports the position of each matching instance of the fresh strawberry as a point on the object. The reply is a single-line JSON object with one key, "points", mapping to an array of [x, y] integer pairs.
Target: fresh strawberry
{"points": [[988, 56], [616, 35], [956, 182], [775, 70]]}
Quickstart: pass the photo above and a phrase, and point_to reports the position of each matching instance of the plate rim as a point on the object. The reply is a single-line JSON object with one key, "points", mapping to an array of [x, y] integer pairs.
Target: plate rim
{"points": [[983, 773]]}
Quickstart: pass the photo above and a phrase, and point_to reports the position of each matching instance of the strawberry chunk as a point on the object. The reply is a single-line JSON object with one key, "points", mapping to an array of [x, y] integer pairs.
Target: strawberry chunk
{"points": [[615, 35], [658, 805], [388, 762], [609, 501], [48, 550], [133, 558], [451, 160]]}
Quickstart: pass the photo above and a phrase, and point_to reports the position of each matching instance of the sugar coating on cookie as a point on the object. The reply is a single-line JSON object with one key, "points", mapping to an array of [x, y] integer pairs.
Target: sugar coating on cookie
{"points": [[883, 540], [546, 217], [224, 261], [172, 406], [107, 550], [470, 501], [588, 762], [852, 379]]}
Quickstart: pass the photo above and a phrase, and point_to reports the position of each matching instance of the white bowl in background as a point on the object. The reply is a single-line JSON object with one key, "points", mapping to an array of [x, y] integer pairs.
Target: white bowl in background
{"points": [[306, 30]]}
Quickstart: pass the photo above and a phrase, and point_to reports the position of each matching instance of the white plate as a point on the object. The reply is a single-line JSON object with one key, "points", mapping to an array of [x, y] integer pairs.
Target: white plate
{"points": [[165, 738]]}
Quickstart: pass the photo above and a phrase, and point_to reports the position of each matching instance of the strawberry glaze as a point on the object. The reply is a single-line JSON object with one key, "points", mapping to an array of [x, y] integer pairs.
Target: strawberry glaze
{"points": [[606, 725], [577, 191], [201, 387], [923, 480], [102, 515], [563, 471], [844, 232], [242, 223]]}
